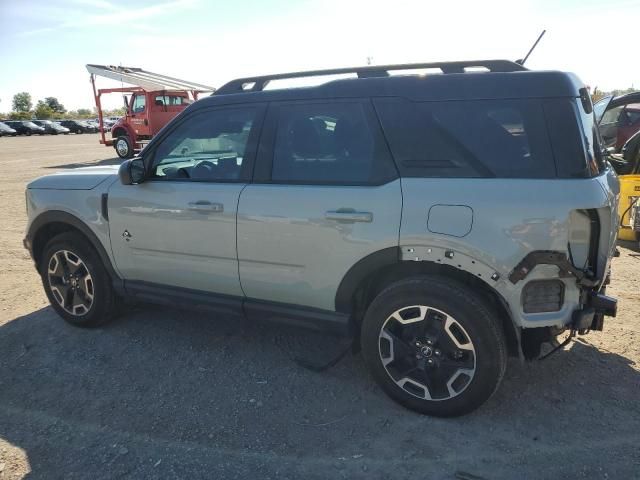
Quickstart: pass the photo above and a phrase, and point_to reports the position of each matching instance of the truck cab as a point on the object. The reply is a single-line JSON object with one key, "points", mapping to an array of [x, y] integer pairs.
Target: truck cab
{"points": [[150, 104], [146, 114]]}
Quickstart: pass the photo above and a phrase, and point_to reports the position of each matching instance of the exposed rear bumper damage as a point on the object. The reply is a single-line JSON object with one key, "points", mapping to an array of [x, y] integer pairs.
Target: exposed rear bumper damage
{"points": [[595, 308], [594, 304]]}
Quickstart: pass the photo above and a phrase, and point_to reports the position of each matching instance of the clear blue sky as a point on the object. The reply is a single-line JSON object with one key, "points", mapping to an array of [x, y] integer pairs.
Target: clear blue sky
{"points": [[45, 44]]}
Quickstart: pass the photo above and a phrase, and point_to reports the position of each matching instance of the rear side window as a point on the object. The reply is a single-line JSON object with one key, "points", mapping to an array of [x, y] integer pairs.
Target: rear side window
{"points": [[479, 138], [167, 100], [573, 146], [332, 143]]}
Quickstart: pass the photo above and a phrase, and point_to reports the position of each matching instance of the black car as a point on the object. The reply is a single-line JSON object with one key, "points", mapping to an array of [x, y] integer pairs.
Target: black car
{"points": [[25, 127], [6, 130], [78, 126], [51, 127]]}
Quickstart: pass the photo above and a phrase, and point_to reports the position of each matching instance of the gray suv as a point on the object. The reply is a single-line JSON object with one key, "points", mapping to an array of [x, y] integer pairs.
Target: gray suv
{"points": [[444, 221]]}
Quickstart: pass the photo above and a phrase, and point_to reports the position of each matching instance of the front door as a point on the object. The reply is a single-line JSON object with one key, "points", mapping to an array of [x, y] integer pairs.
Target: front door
{"points": [[325, 195], [178, 227], [138, 116]]}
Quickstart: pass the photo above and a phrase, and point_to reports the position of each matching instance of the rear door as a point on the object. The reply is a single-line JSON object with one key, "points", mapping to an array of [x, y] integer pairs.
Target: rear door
{"points": [[325, 195], [165, 106]]}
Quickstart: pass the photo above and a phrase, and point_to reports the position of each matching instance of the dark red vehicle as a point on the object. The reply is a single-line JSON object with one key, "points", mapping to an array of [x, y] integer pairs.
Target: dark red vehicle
{"points": [[152, 102], [618, 119]]}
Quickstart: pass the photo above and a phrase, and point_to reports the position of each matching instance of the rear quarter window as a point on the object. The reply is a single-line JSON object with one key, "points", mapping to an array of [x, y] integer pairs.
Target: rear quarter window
{"points": [[478, 138]]}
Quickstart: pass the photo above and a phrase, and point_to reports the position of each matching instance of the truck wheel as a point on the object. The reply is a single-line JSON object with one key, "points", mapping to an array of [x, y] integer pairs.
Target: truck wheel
{"points": [[123, 147], [434, 346], [76, 282]]}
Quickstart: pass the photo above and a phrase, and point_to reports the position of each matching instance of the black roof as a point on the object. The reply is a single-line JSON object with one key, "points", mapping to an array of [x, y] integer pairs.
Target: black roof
{"points": [[504, 79]]}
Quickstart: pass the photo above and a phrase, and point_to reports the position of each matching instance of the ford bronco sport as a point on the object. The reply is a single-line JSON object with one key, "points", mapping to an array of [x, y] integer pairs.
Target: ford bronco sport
{"points": [[445, 220]]}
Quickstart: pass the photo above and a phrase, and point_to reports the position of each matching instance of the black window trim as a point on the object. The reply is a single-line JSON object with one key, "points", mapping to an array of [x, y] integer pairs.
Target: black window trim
{"points": [[248, 161], [266, 149]]}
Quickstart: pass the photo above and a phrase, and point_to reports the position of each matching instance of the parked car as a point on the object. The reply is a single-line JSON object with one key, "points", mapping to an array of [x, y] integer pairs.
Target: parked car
{"points": [[77, 126], [25, 127], [618, 119], [6, 130], [51, 127], [403, 211]]}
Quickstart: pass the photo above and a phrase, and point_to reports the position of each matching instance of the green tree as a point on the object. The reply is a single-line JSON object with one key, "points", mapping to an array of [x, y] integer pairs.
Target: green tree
{"points": [[116, 112], [22, 102], [84, 112], [43, 110], [20, 115], [55, 105]]}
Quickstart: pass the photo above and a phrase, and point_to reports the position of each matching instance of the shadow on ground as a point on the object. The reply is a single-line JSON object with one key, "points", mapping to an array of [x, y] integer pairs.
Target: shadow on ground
{"points": [[91, 163], [170, 394]]}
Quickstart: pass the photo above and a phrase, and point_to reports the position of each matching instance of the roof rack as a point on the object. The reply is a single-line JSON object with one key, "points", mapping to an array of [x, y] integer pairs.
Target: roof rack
{"points": [[144, 79], [257, 84]]}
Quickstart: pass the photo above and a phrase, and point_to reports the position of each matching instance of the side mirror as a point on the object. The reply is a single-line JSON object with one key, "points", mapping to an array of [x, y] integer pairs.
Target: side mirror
{"points": [[132, 172]]}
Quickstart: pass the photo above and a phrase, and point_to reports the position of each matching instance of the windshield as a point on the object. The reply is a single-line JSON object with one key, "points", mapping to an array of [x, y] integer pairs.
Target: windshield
{"points": [[30, 124]]}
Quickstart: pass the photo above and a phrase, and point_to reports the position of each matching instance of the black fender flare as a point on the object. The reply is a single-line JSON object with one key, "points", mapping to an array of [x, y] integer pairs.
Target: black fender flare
{"points": [[359, 271]]}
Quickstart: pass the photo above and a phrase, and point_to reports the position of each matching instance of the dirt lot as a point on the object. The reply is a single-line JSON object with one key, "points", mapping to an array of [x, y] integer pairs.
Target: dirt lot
{"points": [[169, 394]]}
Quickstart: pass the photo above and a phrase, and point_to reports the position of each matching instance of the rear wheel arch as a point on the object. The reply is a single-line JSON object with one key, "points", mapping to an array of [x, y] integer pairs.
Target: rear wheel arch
{"points": [[375, 272]]}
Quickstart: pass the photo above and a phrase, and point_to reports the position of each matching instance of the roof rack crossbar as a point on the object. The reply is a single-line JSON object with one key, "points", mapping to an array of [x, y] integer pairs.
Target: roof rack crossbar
{"points": [[258, 83]]}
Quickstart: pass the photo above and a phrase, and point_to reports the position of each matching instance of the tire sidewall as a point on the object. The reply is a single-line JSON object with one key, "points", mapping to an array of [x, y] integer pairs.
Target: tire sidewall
{"points": [[127, 141], [103, 293], [467, 309]]}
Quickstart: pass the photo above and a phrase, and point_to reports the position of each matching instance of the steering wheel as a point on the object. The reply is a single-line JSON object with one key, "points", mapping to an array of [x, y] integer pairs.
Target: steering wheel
{"points": [[203, 169]]}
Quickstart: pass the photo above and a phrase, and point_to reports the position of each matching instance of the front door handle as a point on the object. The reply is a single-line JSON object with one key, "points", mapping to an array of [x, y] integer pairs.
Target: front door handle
{"points": [[206, 206], [348, 215]]}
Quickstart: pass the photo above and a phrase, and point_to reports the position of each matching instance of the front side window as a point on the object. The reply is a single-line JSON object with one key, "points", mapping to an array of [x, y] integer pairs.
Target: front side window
{"points": [[138, 104], [207, 146], [328, 143]]}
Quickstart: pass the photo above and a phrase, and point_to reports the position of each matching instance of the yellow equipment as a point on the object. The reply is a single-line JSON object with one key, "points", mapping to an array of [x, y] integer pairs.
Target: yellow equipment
{"points": [[629, 195]]}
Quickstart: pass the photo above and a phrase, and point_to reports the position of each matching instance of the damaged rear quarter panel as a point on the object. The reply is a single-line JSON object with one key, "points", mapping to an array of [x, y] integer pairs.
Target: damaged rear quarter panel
{"points": [[511, 218]]}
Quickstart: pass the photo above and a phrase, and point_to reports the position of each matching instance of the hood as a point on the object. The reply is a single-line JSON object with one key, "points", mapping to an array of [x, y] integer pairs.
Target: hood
{"points": [[84, 178]]}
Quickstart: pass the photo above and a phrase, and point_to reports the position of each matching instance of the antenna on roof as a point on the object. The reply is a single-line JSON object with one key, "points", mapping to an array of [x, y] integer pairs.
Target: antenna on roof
{"points": [[522, 60]]}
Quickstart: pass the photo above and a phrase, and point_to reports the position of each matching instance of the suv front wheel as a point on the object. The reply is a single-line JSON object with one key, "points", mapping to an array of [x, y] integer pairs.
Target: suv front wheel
{"points": [[76, 282], [434, 346]]}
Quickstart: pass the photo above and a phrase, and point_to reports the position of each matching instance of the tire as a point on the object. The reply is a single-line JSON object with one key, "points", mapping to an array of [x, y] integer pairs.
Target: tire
{"points": [[123, 146], [93, 302], [79, 132], [28, 133], [448, 338]]}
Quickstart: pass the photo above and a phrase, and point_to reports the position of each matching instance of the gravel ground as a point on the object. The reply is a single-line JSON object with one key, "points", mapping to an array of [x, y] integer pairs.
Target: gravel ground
{"points": [[171, 394]]}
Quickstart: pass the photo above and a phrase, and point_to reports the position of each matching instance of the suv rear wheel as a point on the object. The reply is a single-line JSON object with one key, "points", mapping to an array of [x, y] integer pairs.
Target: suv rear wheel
{"points": [[434, 346], [76, 282]]}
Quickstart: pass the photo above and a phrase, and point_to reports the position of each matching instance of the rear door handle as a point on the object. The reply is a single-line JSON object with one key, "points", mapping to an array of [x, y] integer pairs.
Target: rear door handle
{"points": [[206, 206], [348, 215]]}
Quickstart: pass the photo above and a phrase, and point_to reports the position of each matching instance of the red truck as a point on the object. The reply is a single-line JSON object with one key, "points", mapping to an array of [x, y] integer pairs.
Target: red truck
{"points": [[152, 102]]}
